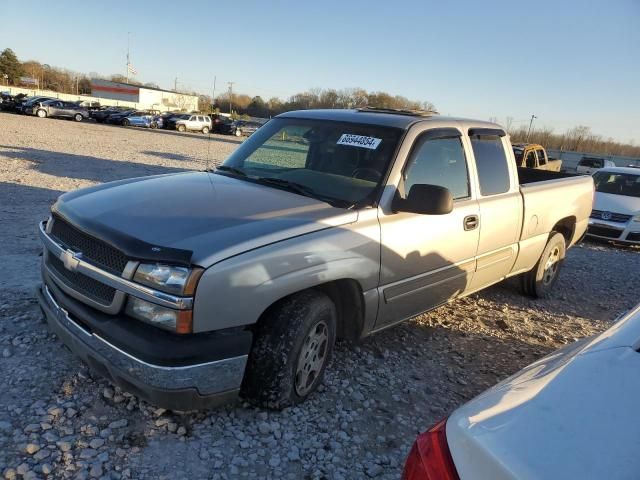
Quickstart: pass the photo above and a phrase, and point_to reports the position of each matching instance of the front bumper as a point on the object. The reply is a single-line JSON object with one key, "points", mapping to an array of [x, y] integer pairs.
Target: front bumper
{"points": [[628, 233], [182, 387]]}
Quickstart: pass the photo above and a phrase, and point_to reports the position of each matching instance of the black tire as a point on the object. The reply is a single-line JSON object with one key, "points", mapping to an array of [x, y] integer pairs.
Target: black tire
{"points": [[41, 113], [78, 117], [539, 281], [274, 376], [153, 125], [125, 122]]}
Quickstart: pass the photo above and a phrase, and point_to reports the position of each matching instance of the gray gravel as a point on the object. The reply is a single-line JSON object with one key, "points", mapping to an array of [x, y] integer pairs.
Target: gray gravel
{"points": [[58, 420]]}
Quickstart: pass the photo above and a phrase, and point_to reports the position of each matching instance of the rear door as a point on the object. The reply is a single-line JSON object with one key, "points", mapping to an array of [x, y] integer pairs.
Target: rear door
{"points": [[500, 205], [427, 259]]}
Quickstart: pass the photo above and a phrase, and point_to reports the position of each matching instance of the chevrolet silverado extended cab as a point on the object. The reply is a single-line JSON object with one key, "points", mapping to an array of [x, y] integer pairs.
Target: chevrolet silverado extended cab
{"points": [[189, 289]]}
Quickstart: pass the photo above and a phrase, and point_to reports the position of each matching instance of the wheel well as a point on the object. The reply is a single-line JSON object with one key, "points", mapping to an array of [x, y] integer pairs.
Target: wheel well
{"points": [[346, 295], [567, 227]]}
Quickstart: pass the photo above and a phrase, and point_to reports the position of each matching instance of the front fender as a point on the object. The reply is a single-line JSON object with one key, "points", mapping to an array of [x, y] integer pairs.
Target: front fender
{"points": [[236, 291]]}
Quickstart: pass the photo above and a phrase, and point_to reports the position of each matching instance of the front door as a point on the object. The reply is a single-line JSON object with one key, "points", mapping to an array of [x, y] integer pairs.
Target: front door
{"points": [[429, 259]]}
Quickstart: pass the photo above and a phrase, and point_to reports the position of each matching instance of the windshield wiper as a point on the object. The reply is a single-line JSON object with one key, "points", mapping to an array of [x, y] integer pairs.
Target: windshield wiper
{"points": [[302, 190], [234, 170]]}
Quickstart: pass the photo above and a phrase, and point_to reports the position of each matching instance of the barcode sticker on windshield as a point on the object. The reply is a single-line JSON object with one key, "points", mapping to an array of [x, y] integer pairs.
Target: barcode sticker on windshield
{"points": [[359, 141]]}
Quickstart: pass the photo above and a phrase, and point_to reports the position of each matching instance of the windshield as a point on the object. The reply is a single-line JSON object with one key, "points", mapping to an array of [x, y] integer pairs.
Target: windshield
{"points": [[617, 183], [344, 162]]}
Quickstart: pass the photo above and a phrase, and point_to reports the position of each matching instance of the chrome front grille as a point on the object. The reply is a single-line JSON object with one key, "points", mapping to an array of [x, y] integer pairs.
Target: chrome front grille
{"points": [[97, 291], [610, 216], [94, 250]]}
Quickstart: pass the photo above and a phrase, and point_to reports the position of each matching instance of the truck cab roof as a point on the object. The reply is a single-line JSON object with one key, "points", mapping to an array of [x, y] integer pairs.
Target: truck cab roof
{"points": [[385, 117]]}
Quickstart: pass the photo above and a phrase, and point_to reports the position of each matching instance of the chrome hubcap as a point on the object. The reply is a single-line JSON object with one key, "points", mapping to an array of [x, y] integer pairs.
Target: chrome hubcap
{"points": [[551, 267], [312, 358]]}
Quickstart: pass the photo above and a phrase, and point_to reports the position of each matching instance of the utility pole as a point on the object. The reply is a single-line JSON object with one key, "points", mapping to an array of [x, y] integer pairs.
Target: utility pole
{"points": [[530, 125], [175, 85], [128, 63], [230, 95], [213, 93]]}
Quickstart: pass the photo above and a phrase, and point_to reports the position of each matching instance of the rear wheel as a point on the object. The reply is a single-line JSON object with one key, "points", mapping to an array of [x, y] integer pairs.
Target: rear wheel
{"points": [[153, 125], [205, 130], [238, 132], [41, 113], [539, 281], [125, 122], [292, 346], [78, 117]]}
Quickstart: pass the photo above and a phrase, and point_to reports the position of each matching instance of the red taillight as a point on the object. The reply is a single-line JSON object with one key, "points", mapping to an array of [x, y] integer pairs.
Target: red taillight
{"points": [[430, 458]]}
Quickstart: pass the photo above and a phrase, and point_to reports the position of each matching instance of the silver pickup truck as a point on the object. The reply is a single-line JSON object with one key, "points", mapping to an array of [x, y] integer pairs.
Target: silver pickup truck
{"points": [[189, 289]]}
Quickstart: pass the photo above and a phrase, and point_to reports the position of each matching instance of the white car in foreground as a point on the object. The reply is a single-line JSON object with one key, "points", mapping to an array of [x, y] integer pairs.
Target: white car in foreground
{"points": [[616, 206], [571, 415]]}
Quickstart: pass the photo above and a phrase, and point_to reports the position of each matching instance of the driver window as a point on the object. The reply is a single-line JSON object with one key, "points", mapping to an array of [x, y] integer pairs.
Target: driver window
{"points": [[541, 158], [441, 162]]}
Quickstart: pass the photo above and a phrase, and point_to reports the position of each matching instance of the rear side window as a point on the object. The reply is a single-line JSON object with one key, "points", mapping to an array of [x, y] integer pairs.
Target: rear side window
{"points": [[531, 159], [438, 161], [541, 158], [491, 162]]}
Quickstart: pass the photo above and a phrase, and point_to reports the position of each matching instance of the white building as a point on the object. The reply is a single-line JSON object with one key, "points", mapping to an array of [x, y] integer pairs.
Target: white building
{"points": [[144, 97]]}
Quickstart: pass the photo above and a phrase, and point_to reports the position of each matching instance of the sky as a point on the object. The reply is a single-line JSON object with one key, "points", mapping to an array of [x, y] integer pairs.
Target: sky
{"points": [[568, 62]]}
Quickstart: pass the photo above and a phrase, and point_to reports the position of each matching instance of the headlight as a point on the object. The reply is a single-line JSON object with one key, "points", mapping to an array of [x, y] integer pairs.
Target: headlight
{"points": [[169, 279], [178, 321]]}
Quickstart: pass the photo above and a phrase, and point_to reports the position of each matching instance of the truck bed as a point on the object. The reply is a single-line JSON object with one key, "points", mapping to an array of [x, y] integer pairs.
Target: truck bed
{"points": [[533, 175]]}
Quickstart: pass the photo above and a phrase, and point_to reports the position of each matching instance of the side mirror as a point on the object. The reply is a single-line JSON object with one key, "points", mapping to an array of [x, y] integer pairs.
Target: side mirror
{"points": [[425, 199]]}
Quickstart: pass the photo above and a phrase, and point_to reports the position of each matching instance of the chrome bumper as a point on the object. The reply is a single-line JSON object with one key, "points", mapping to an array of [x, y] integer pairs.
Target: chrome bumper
{"points": [[181, 388]]}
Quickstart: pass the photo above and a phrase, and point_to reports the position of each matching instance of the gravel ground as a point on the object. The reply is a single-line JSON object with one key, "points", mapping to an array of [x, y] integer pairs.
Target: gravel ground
{"points": [[57, 420]]}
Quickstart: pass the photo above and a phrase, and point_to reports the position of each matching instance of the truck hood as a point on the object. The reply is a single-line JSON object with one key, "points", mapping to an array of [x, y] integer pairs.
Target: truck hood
{"points": [[609, 202], [194, 217]]}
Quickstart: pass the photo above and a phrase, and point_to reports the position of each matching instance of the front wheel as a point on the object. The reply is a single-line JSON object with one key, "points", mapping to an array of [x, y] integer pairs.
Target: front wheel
{"points": [[238, 132], [41, 114], [292, 346], [181, 128], [539, 281], [126, 122], [153, 125], [77, 117]]}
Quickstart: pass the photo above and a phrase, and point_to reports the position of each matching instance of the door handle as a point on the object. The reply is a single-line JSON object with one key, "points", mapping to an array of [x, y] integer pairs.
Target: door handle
{"points": [[471, 222]]}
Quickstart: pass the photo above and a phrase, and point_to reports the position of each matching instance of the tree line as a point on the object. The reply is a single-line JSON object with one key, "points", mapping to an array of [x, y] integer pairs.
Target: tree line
{"points": [[576, 139], [579, 138]]}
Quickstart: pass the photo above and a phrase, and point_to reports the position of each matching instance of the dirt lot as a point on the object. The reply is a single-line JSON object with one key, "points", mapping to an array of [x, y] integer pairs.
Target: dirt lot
{"points": [[57, 420]]}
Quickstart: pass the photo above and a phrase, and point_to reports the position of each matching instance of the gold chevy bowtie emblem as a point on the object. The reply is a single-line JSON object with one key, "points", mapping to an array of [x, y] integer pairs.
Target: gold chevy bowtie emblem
{"points": [[70, 260]]}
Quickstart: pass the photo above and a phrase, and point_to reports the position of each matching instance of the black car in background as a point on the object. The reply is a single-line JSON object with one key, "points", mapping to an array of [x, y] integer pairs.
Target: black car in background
{"points": [[241, 127], [220, 123], [102, 115]]}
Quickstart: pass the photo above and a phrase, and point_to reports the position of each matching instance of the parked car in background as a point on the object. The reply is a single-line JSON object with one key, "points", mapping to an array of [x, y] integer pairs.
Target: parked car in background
{"points": [[120, 118], [570, 415], [9, 103], [170, 119], [532, 155], [220, 123], [336, 223], [148, 121], [241, 127], [194, 123], [103, 114], [27, 103], [58, 108], [89, 105], [616, 207], [588, 165]]}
